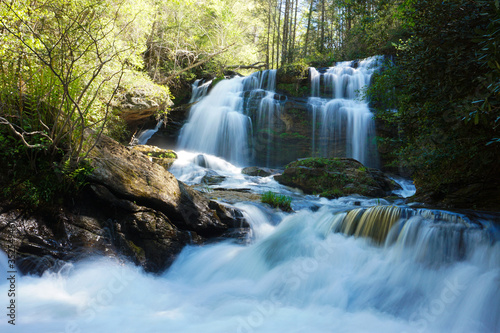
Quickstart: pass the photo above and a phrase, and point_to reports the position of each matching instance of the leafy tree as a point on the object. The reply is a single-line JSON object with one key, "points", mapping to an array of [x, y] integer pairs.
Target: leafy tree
{"points": [[68, 61], [431, 94], [61, 64], [191, 33]]}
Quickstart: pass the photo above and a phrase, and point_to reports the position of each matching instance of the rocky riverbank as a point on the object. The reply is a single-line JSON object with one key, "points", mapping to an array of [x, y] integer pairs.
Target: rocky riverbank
{"points": [[131, 208]]}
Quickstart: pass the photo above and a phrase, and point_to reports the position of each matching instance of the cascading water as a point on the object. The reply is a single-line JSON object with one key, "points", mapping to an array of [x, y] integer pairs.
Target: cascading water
{"points": [[432, 272], [217, 124], [199, 90], [220, 123], [241, 118], [145, 135], [346, 122], [350, 264]]}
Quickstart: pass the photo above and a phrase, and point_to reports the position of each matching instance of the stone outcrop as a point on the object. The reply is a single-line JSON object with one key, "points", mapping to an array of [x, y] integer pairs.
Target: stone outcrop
{"points": [[336, 177], [138, 105], [132, 207], [131, 175]]}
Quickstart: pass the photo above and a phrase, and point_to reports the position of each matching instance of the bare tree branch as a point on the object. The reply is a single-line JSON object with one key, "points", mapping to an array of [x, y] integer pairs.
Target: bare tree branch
{"points": [[22, 133], [257, 65]]}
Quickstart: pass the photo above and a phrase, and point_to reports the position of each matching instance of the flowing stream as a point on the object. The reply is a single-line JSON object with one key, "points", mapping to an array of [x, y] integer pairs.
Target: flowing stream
{"points": [[351, 264]]}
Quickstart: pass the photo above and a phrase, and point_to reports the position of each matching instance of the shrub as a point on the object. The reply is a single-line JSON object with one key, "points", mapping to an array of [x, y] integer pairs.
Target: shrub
{"points": [[280, 201]]}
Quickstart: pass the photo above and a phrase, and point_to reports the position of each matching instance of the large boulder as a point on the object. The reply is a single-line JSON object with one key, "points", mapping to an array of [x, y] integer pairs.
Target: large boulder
{"points": [[336, 177], [132, 207], [130, 175], [139, 104], [97, 223]]}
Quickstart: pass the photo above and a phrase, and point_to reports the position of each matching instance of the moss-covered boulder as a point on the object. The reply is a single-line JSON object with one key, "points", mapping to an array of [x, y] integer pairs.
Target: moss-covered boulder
{"points": [[131, 175], [163, 157], [139, 99], [336, 177], [292, 80], [259, 171]]}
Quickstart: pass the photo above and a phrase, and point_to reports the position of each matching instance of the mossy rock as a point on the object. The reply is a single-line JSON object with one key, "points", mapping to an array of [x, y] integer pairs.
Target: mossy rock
{"points": [[292, 73], [297, 89], [163, 157], [335, 177]]}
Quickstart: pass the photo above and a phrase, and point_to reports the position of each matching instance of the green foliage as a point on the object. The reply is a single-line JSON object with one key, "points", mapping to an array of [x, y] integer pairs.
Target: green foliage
{"points": [[163, 155], [64, 66], [186, 32], [294, 89], [61, 65], [440, 95], [291, 73], [280, 201], [33, 185], [332, 193]]}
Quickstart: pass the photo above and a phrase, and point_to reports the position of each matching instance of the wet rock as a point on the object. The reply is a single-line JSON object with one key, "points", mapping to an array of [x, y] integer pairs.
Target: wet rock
{"points": [[132, 208], [130, 175], [98, 223], [231, 196], [212, 178], [259, 171], [336, 177]]}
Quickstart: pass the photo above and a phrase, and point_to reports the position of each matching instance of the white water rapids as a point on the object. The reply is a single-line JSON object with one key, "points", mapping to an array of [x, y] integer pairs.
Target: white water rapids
{"points": [[295, 274]]}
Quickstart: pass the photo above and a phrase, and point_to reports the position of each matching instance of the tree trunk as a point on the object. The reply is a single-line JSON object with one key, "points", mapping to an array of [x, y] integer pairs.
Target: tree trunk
{"points": [[279, 37], [294, 30], [284, 47], [274, 34], [322, 39], [268, 33], [308, 27]]}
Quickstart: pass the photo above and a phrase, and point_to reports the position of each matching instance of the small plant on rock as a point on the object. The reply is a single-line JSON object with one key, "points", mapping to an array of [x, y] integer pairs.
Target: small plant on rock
{"points": [[280, 201]]}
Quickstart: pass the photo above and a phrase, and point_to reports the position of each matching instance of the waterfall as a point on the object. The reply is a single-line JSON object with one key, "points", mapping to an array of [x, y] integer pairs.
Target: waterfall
{"points": [[220, 124], [145, 135], [217, 125], [243, 119], [347, 126], [315, 81], [350, 264], [443, 234], [199, 90]]}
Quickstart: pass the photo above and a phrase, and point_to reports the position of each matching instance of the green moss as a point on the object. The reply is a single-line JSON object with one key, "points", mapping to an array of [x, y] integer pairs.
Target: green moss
{"points": [[280, 201], [293, 135], [292, 73], [333, 193], [317, 162], [293, 89], [329, 177], [138, 251]]}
